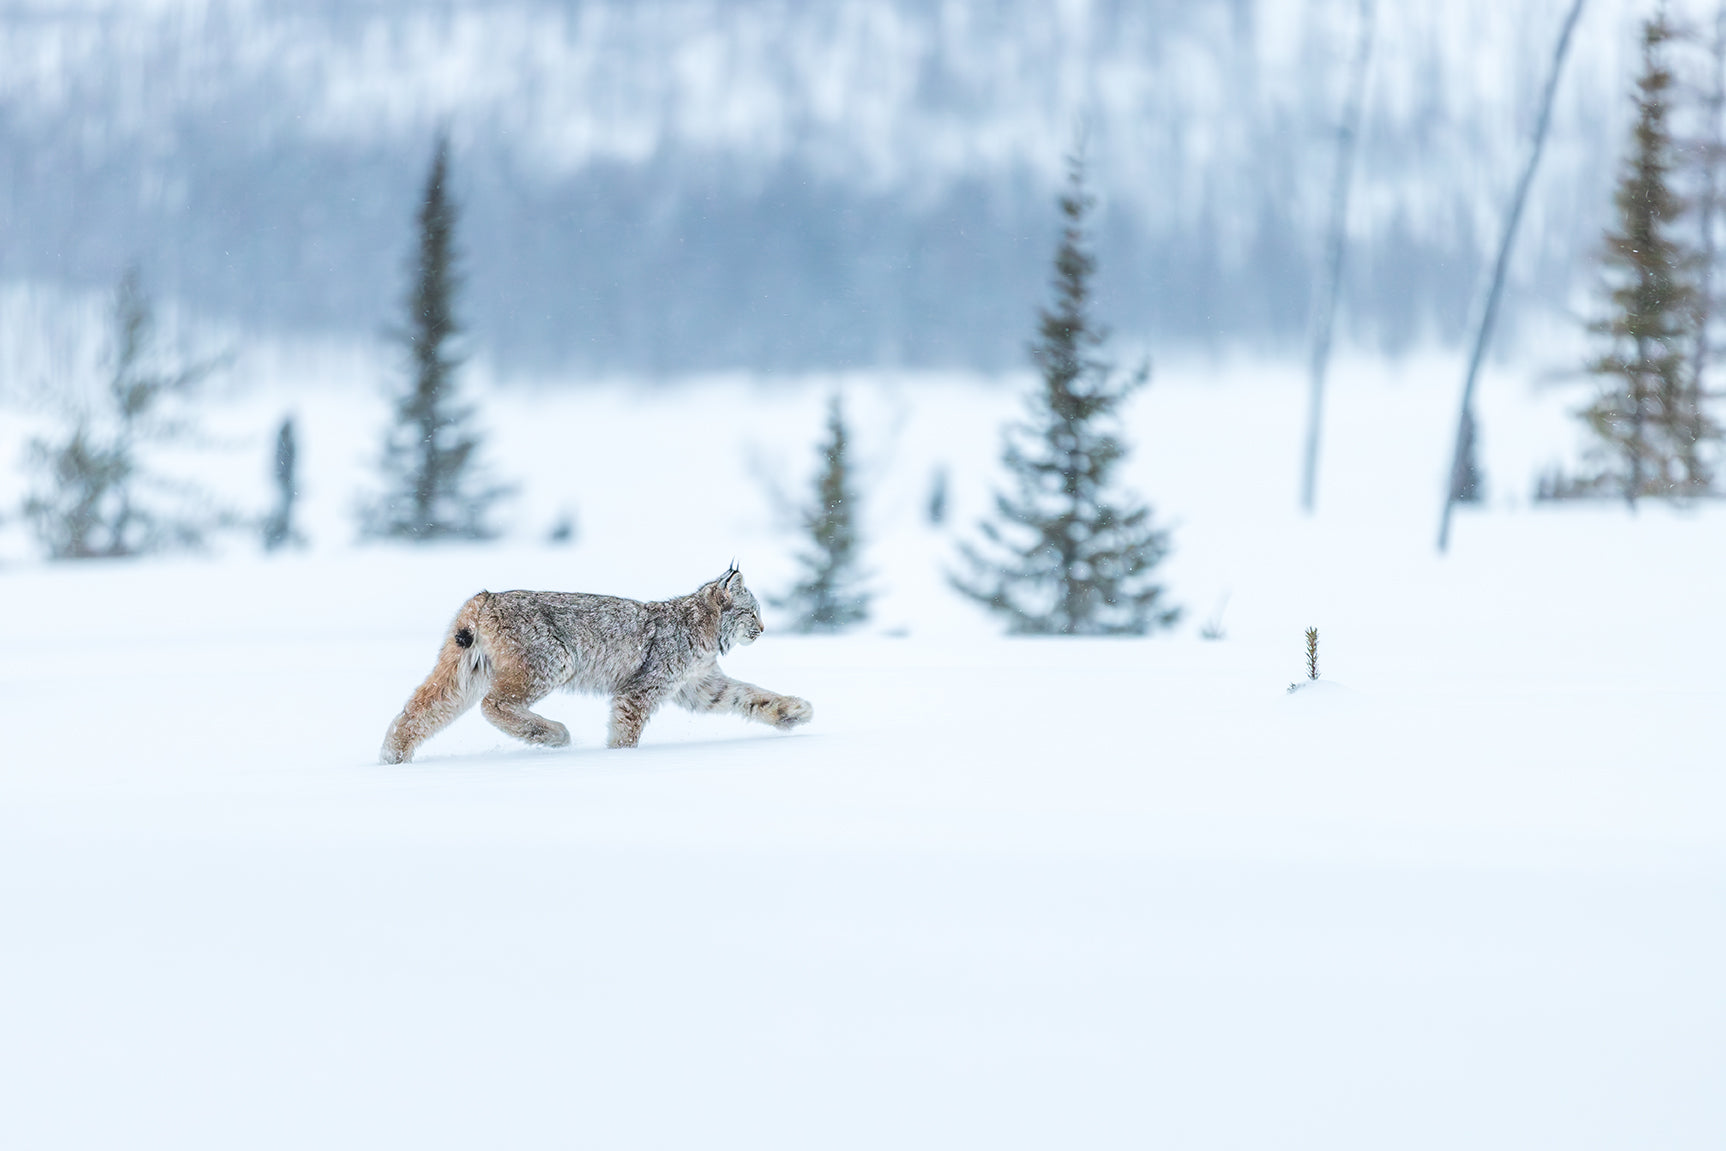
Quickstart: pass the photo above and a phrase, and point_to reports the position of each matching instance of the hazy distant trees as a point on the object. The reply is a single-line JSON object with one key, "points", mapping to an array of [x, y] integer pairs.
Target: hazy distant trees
{"points": [[1065, 553], [95, 492], [432, 487], [830, 596], [1653, 434]]}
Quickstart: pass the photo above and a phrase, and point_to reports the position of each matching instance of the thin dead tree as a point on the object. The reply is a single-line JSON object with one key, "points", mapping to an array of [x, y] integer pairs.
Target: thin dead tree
{"points": [[1462, 455], [1336, 246]]}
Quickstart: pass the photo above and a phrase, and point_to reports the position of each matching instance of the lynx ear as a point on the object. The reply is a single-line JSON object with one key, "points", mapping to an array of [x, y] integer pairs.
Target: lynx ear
{"points": [[731, 578], [719, 591]]}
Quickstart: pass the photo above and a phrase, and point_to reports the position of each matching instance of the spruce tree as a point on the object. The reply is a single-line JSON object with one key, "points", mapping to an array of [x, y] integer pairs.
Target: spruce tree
{"points": [[431, 486], [1649, 414], [830, 596], [1066, 553]]}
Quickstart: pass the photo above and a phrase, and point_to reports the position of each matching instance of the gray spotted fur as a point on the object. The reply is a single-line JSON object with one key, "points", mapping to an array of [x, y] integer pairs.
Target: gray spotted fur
{"points": [[508, 650]]}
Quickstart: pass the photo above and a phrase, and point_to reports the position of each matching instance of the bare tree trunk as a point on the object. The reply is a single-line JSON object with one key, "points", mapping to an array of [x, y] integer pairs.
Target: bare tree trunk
{"points": [[1507, 241], [1330, 285]]}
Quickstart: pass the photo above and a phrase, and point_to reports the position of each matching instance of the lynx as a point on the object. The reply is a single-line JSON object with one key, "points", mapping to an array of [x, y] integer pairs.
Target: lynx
{"points": [[508, 650]]}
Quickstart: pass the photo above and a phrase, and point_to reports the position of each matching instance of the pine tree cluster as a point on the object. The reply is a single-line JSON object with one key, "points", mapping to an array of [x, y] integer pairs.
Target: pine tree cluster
{"points": [[1066, 553]]}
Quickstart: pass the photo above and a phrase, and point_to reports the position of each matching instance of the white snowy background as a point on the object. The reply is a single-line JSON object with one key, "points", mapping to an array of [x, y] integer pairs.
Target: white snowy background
{"points": [[1469, 891]]}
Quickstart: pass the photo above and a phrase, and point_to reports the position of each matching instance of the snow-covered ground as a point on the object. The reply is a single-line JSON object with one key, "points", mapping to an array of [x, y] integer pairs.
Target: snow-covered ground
{"points": [[1467, 892]]}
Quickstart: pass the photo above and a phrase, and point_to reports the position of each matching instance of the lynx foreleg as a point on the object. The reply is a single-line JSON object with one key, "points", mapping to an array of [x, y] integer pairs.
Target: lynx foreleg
{"points": [[715, 691], [631, 708]]}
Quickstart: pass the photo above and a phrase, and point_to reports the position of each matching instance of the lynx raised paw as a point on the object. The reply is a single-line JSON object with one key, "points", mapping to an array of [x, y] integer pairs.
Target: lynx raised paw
{"points": [[790, 712]]}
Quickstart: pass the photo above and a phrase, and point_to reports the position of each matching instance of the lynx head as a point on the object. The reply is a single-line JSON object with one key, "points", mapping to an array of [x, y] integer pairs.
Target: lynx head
{"points": [[739, 614]]}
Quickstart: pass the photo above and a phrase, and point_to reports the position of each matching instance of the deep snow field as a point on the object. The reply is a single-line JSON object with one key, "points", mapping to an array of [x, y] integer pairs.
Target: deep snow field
{"points": [[1467, 892]]}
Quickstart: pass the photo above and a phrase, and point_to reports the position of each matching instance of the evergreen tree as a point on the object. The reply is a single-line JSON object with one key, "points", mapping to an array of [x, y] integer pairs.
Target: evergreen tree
{"points": [[1649, 414], [431, 489], [95, 496], [1709, 152], [279, 530], [830, 596], [1065, 553]]}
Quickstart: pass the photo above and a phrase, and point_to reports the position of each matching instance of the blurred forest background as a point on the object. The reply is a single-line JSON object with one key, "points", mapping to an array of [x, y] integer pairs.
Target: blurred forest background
{"points": [[380, 198], [666, 186]]}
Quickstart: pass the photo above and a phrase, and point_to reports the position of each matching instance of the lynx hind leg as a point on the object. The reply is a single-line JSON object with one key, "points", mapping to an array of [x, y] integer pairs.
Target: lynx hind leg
{"points": [[523, 674], [458, 680], [513, 718]]}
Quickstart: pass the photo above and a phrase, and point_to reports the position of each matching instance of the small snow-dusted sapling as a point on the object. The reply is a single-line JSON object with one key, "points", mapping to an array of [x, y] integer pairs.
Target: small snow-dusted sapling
{"points": [[1212, 629], [509, 650], [1311, 660]]}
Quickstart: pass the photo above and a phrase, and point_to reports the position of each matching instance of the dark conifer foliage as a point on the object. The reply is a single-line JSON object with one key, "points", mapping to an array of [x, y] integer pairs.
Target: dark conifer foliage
{"points": [[95, 495], [279, 529], [432, 489], [830, 597], [1649, 414], [1066, 553], [1707, 154]]}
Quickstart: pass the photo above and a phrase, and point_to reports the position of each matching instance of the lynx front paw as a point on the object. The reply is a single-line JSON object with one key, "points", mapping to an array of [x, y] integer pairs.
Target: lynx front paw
{"points": [[789, 712]]}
